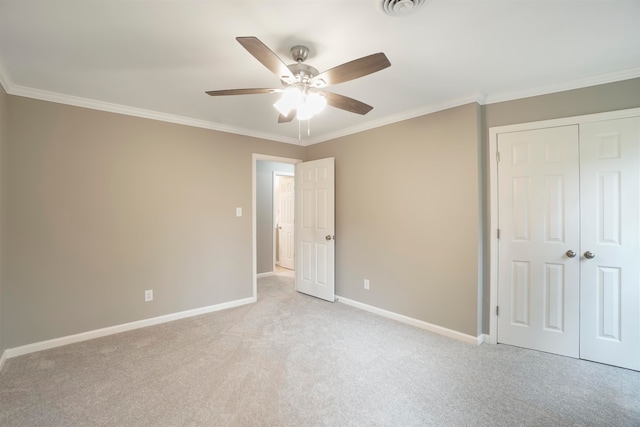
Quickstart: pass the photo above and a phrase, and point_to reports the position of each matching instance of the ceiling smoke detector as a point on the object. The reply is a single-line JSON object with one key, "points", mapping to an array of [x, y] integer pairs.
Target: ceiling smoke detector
{"points": [[401, 7]]}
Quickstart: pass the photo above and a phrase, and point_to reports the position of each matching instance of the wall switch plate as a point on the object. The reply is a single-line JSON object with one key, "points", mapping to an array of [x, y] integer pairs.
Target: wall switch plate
{"points": [[238, 211], [148, 295], [366, 284]]}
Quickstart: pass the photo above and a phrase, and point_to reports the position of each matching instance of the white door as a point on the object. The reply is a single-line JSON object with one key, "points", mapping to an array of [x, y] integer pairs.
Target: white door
{"points": [[286, 243], [538, 279], [610, 279], [315, 228]]}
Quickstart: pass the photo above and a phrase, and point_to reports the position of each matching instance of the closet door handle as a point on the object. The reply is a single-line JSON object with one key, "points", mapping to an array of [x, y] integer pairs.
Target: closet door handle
{"points": [[589, 255], [570, 253]]}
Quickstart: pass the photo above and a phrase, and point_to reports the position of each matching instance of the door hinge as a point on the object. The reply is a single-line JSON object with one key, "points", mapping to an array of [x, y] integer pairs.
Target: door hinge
{"points": [[497, 310], [498, 233], [497, 156]]}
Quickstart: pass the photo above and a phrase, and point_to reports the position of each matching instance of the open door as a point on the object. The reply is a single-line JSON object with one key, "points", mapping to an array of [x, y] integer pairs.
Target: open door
{"points": [[315, 228]]}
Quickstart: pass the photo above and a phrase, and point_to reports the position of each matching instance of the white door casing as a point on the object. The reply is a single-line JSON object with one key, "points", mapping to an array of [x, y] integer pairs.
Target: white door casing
{"points": [[286, 242], [539, 286], [610, 281], [315, 228]]}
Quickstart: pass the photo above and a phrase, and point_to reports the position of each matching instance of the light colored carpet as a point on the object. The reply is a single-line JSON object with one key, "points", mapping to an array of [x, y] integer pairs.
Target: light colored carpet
{"points": [[293, 360]]}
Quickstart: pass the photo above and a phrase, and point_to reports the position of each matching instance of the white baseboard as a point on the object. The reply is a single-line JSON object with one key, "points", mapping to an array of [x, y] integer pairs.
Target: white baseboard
{"points": [[97, 333], [469, 339], [483, 338], [267, 274], [3, 358]]}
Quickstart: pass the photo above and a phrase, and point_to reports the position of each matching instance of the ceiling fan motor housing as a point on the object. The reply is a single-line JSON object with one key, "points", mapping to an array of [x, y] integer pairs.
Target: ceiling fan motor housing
{"points": [[302, 72]]}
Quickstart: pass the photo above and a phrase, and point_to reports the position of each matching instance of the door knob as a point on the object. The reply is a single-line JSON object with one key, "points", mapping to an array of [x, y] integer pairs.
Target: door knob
{"points": [[589, 255], [570, 253], [328, 237]]}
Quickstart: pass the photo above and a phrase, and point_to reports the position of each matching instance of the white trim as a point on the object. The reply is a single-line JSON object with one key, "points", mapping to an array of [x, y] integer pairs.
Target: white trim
{"points": [[254, 159], [493, 193], [450, 333], [97, 333], [77, 101], [565, 121], [267, 274], [274, 231], [3, 358], [406, 115], [617, 76], [482, 99]]}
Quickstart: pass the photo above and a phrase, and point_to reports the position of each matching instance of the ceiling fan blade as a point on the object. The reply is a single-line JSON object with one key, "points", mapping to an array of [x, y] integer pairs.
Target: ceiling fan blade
{"points": [[286, 119], [351, 70], [241, 91], [345, 103], [266, 57]]}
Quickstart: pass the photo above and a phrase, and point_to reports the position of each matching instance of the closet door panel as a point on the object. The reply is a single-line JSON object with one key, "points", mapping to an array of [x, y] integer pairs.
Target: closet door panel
{"points": [[610, 242], [538, 283]]}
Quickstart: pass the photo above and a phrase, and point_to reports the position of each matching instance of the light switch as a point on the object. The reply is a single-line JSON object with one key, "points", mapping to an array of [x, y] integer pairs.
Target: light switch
{"points": [[238, 211]]}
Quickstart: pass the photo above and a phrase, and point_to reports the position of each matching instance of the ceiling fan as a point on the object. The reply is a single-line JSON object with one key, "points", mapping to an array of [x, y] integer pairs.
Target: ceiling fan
{"points": [[302, 95]]}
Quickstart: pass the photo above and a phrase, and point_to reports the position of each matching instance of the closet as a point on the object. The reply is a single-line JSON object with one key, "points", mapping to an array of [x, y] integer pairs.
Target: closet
{"points": [[565, 273]]}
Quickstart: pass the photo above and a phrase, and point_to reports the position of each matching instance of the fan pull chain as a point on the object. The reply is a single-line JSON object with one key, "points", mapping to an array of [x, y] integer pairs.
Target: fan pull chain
{"points": [[300, 129]]}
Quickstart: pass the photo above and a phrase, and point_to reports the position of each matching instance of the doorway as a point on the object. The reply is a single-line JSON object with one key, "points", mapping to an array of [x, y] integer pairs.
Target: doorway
{"points": [[314, 225], [264, 172]]}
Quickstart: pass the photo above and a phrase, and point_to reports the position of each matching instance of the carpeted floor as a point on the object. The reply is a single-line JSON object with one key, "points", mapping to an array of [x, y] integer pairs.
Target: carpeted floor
{"points": [[293, 360]]}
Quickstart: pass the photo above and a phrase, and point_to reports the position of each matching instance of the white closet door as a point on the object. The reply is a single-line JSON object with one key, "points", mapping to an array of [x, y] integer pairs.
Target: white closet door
{"points": [[538, 283], [610, 280]]}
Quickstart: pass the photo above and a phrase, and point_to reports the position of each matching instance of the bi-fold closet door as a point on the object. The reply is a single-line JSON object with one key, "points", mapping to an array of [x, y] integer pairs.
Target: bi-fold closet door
{"points": [[569, 240]]}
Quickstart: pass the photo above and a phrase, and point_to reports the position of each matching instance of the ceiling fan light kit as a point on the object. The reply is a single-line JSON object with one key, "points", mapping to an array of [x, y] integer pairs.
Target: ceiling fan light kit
{"points": [[301, 97], [305, 104]]}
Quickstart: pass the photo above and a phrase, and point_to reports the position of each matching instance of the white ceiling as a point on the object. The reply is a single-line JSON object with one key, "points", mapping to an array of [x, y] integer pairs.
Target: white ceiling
{"points": [[157, 58]]}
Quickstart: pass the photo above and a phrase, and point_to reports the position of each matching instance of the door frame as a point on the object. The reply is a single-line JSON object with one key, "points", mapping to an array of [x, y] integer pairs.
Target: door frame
{"points": [[493, 192], [275, 204], [254, 227]]}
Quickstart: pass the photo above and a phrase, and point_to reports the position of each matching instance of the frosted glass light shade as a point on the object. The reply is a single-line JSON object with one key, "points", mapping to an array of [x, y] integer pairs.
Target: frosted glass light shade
{"points": [[290, 99], [312, 105]]}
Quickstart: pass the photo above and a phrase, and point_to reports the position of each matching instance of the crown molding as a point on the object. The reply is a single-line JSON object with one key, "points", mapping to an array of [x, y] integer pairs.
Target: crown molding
{"points": [[18, 90], [406, 115], [571, 85], [76, 101]]}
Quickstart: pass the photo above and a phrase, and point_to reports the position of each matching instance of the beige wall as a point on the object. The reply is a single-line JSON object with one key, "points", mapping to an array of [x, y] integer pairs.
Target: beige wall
{"points": [[407, 216], [3, 181], [97, 207], [102, 206], [595, 99]]}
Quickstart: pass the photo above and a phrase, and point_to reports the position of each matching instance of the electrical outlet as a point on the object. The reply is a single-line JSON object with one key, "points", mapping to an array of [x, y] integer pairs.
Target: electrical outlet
{"points": [[148, 295], [366, 284]]}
